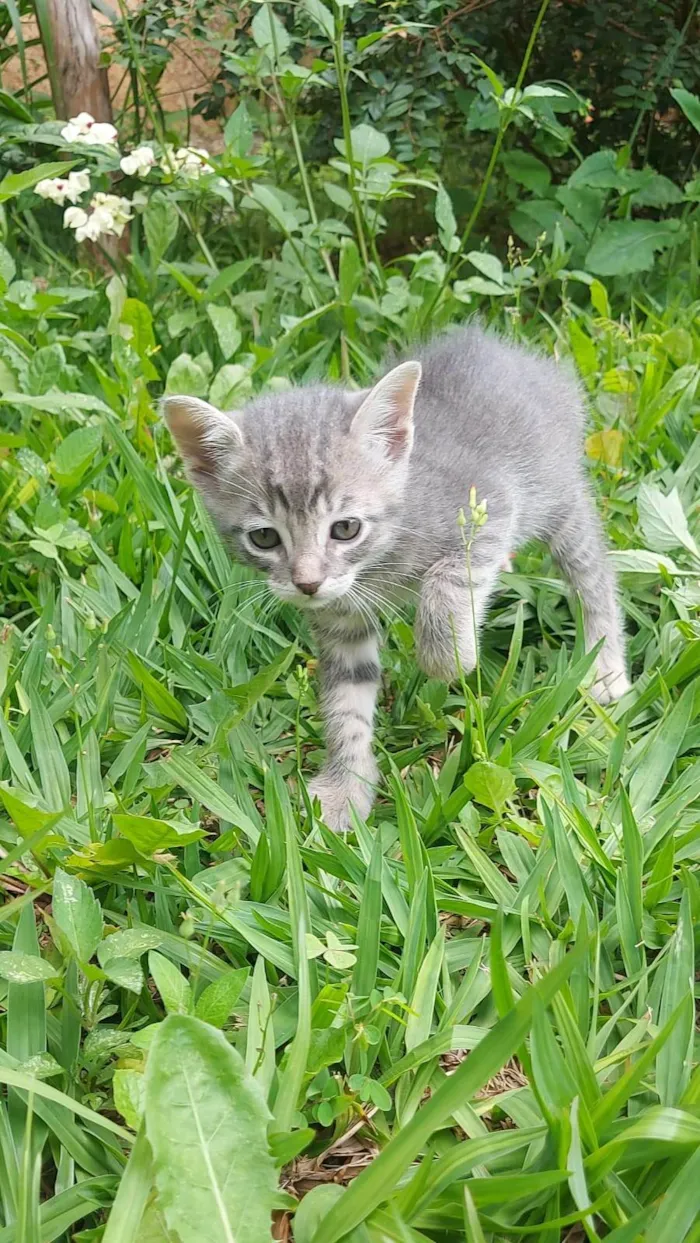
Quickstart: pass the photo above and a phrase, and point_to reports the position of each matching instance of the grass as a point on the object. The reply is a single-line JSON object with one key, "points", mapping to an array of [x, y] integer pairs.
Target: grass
{"points": [[494, 1036]]}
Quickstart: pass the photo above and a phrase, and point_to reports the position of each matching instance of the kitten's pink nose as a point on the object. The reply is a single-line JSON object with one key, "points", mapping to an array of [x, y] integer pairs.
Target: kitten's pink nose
{"points": [[309, 589]]}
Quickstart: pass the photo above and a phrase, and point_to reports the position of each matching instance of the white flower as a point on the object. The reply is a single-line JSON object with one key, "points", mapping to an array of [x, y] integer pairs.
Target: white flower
{"points": [[58, 189], [74, 217], [108, 216], [112, 211], [191, 161], [139, 162], [85, 129], [85, 226], [79, 181]]}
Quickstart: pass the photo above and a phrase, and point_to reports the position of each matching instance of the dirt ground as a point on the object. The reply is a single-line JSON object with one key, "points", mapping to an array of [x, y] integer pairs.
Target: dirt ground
{"points": [[192, 67]]}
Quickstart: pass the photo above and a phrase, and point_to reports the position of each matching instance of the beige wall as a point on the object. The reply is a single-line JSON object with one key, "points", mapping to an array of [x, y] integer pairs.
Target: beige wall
{"points": [[191, 67]]}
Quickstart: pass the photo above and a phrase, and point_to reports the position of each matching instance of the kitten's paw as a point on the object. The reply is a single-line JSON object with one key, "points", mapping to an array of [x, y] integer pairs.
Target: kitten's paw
{"points": [[337, 798], [610, 685], [441, 663]]}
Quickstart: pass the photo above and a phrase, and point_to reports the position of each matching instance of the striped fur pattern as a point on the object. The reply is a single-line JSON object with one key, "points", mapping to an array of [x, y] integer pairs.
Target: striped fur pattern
{"points": [[348, 503]]}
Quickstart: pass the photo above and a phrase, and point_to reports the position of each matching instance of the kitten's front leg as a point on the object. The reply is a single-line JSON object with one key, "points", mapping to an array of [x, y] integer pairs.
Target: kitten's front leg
{"points": [[350, 673], [451, 611]]}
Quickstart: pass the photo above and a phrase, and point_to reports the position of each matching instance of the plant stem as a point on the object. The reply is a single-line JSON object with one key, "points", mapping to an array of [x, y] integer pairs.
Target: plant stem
{"points": [[301, 164], [506, 117], [339, 60], [288, 114]]}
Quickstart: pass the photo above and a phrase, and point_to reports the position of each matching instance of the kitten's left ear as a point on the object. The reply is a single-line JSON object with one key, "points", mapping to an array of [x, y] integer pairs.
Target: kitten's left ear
{"points": [[386, 413]]}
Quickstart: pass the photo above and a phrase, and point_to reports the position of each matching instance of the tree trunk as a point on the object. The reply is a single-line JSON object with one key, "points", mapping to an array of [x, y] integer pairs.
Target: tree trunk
{"points": [[72, 46], [79, 84]]}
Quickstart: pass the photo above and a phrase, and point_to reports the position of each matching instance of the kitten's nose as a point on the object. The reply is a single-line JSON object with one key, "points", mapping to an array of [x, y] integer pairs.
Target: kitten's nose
{"points": [[309, 589]]}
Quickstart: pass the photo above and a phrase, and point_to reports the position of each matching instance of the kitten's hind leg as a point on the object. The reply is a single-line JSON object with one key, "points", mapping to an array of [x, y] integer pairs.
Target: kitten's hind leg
{"points": [[578, 545]]}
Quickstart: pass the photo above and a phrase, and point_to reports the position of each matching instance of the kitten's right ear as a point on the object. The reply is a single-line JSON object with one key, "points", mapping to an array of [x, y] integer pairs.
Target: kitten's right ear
{"points": [[202, 433]]}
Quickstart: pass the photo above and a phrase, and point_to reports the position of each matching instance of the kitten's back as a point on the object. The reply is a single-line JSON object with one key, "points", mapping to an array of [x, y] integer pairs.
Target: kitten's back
{"points": [[494, 415]]}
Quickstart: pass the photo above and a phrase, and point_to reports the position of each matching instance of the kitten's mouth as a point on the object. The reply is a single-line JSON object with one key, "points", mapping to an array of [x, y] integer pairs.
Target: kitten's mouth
{"points": [[328, 594]]}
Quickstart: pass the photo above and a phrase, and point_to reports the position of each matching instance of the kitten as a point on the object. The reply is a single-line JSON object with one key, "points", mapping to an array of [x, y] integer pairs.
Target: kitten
{"points": [[345, 499]]}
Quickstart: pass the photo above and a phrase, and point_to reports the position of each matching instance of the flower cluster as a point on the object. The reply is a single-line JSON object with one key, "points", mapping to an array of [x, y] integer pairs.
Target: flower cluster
{"points": [[109, 216], [85, 129], [58, 189], [108, 213], [139, 162], [192, 161]]}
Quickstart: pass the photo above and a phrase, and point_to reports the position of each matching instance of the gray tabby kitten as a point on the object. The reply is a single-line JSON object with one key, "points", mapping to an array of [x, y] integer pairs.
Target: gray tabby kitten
{"points": [[347, 499]]}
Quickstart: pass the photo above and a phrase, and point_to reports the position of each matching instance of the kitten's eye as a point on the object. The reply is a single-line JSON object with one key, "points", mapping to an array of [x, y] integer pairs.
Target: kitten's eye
{"points": [[346, 528], [264, 537]]}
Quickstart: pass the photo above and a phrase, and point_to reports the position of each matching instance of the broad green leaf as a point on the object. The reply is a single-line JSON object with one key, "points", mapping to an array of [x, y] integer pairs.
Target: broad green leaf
{"points": [[45, 368], [663, 521], [77, 913], [25, 968], [260, 1042], [125, 972], [239, 131], [489, 266], [13, 184], [25, 811], [606, 446], [216, 1004], [367, 144], [136, 324], [312, 1210], [149, 836], [174, 989], [269, 34], [74, 455], [623, 247], [160, 221], [445, 220], [185, 376], [219, 1169], [641, 561], [129, 1087], [230, 386], [490, 784], [129, 943], [349, 270], [225, 324], [689, 103], [322, 17], [527, 170]]}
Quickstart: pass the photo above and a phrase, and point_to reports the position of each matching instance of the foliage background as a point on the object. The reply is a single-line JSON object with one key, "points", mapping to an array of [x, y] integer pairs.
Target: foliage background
{"points": [[477, 1012]]}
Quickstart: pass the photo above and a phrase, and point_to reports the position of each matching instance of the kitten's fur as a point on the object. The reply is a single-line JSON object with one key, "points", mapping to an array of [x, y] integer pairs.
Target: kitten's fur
{"points": [[487, 414]]}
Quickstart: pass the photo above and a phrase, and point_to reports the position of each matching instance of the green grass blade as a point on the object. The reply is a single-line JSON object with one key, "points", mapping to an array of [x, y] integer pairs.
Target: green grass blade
{"points": [[495, 1049]]}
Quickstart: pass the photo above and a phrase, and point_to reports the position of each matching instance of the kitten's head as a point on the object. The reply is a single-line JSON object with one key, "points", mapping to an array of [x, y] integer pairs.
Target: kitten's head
{"points": [[306, 483]]}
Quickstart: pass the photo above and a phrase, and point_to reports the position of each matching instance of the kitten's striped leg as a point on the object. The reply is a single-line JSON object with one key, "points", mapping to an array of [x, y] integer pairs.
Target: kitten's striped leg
{"points": [[350, 673]]}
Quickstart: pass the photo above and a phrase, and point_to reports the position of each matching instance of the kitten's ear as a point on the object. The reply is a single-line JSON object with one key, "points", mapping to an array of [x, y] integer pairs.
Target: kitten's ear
{"points": [[202, 433], [386, 414]]}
